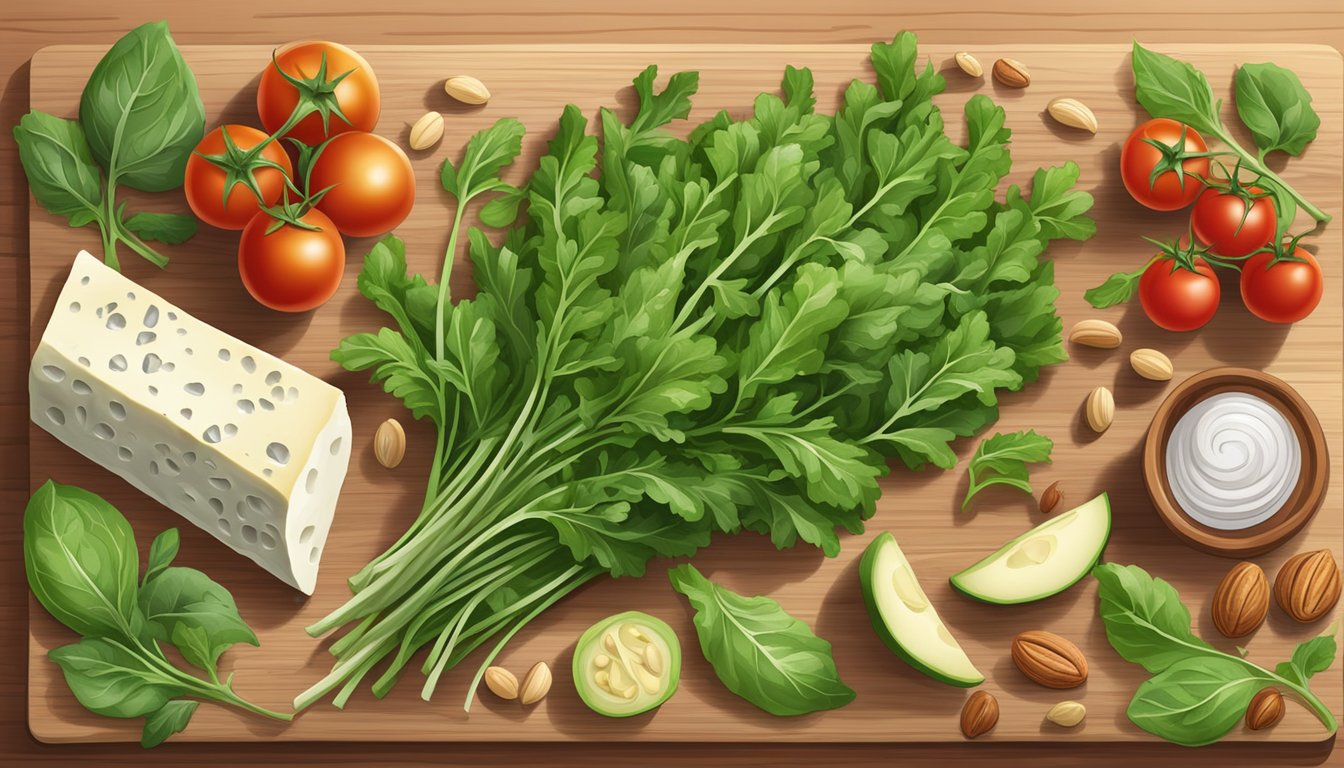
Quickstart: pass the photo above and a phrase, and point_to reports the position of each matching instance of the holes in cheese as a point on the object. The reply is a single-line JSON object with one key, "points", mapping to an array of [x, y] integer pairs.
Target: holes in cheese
{"points": [[242, 444]]}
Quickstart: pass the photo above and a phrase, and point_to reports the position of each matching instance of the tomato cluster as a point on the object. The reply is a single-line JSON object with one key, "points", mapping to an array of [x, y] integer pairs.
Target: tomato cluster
{"points": [[1165, 166], [315, 173]]}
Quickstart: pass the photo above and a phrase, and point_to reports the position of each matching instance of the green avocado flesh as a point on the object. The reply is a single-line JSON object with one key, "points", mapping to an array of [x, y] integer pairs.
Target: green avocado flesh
{"points": [[905, 619], [627, 664], [1044, 561]]}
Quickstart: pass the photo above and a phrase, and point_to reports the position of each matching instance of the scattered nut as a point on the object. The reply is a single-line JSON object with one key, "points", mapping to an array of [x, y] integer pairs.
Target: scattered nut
{"points": [[1051, 498], [427, 131], [1265, 710], [466, 89], [1066, 714], [1100, 409], [1151, 364], [1012, 73], [536, 684], [1307, 585], [979, 714], [502, 683], [389, 443], [1241, 601], [1073, 113], [1050, 660], [969, 64], [1096, 333]]}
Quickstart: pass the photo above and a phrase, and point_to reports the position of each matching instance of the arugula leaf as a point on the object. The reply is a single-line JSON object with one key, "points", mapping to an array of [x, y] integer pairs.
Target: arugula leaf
{"points": [[487, 153], [166, 720], [1198, 693], [397, 365], [760, 652], [1273, 104], [1002, 460], [111, 680], [186, 608], [1119, 288]]}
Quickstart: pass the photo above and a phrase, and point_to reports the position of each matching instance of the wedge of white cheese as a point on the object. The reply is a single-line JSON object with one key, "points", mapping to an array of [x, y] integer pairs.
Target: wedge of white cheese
{"points": [[241, 443]]}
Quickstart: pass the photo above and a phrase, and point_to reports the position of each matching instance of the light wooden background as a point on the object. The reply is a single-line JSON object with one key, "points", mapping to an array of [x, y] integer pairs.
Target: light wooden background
{"points": [[834, 23]]}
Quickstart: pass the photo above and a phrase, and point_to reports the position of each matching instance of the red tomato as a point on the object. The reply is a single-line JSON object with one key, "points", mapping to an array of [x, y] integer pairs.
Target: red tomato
{"points": [[372, 184], [291, 269], [357, 95], [1222, 221], [1282, 292], [204, 183], [1138, 158], [1176, 298]]}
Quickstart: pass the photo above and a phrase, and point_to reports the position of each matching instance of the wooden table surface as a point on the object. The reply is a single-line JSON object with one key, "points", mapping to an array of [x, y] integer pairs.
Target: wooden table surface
{"points": [[25, 29]]}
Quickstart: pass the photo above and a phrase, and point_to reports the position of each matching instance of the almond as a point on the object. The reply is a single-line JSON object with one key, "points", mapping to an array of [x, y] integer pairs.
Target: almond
{"points": [[1151, 364], [389, 443], [466, 89], [1012, 73], [1073, 113], [1067, 714], [1241, 601], [969, 64], [1265, 710], [427, 131], [536, 684], [1307, 585], [1049, 659], [1100, 409], [502, 683], [1096, 333], [979, 714], [1051, 498]]}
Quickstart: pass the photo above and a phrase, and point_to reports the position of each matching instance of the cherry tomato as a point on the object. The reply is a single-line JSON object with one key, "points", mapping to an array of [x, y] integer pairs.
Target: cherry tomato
{"points": [[1138, 158], [204, 183], [357, 94], [1222, 221], [1282, 292], [291, 269], [372, 184], [1176, 298]]}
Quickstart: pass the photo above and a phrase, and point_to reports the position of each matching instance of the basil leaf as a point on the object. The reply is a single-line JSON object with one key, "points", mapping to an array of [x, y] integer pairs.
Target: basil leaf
{"points": [[1174, 89], [141, 110], [1118, 289], [81, 560], [186, 608], [1273, 104], [61, 173], [760, 652], [1196, 701], [1146, 622], [166, 720], [1315, 655], [1002, 460], [110, 680], [170, 228], [161, 553]]}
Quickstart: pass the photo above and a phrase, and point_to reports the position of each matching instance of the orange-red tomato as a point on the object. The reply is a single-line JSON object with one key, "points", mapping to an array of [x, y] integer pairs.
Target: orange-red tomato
{"points": [[1176, 298], [357, 94], [1138, 158], [1282, 292], [372, 184], [1223, 221], [204, 183], [291, 269]]}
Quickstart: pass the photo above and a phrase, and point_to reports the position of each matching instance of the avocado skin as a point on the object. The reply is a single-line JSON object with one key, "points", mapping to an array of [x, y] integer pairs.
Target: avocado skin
{"points": [[866, 565]]}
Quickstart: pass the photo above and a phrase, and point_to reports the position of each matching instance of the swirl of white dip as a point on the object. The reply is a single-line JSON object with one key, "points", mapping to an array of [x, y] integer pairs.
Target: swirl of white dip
{"points": [[1232, 461]]}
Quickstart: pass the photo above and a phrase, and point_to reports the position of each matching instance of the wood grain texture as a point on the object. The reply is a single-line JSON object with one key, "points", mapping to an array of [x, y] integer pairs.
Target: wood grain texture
{"points": [[25, 28], [894, 703]]}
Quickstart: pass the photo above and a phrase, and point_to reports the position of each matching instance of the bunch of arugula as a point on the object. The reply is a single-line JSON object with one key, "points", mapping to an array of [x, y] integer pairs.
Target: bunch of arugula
{"points": [[82, 563], [731, 331], [1197, 692]]}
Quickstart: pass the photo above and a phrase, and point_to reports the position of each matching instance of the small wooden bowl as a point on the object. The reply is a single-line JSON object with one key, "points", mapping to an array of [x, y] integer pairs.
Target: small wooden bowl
{"points": [[1296, 511]]}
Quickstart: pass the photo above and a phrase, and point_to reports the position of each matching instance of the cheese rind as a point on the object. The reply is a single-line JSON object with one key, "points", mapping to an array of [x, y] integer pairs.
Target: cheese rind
{"points": [[248, 447]]}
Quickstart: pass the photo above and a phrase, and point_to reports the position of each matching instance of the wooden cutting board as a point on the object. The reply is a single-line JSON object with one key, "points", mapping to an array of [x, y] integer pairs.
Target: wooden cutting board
{"points": [[894, 702]]}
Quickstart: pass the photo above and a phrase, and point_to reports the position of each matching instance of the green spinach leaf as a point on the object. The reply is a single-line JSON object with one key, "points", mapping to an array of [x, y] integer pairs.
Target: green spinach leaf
{"points": [[111, 680], [760, 652], [186, 608], [1003, 458], [1273, 104], [166, 720]]}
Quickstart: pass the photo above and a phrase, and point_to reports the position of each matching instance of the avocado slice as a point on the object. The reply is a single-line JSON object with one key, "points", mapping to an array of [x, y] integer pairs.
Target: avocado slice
{"points": [[905, 619], [1044, 561], [627, 664]]}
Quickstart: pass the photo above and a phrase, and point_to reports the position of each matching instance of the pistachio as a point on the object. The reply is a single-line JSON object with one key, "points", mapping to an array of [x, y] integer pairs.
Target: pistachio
{"points": [[536, 684], [1151, 364], [389, 443], [502, 683], [1012, 73], [1100, 409], [466, 89], [427, 131], [1073, 113], [969, 64], [1095, 333], [1067, 714]]}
